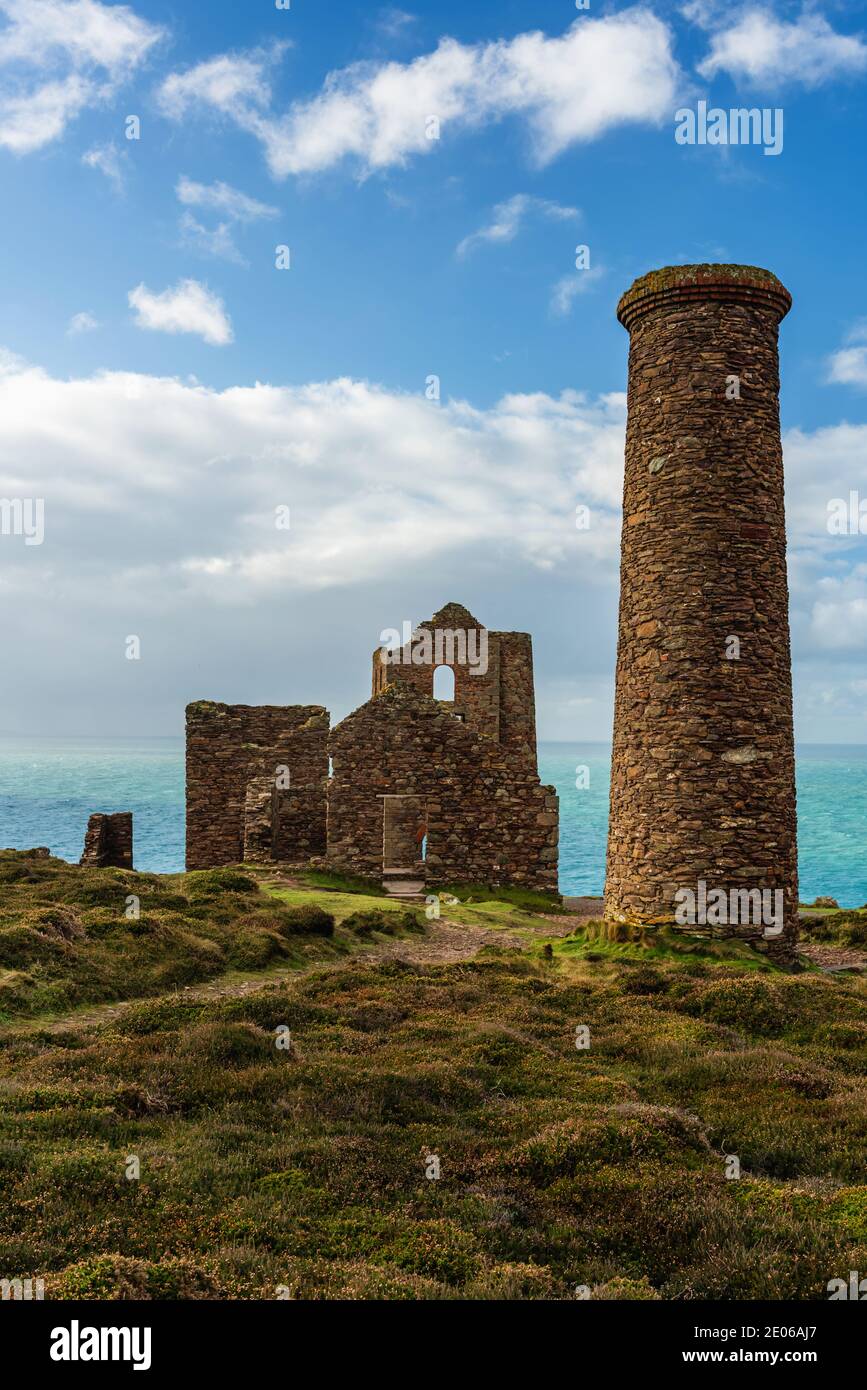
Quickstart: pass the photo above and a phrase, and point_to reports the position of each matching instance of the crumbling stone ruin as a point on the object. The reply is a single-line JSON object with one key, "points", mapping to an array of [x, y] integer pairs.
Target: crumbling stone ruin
{"points": [[256, 779], [108, 841], [436, 790], [703, 771]]}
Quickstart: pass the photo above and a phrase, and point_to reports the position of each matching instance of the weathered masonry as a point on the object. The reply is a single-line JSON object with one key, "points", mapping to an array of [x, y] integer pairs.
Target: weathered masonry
{"points": [[255, 782], [407, 785], [703, 773], [108, 841]]}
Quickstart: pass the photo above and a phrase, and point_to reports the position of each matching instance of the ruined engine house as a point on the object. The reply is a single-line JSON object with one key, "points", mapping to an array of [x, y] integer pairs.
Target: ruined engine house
{"points": [[408, 785]]}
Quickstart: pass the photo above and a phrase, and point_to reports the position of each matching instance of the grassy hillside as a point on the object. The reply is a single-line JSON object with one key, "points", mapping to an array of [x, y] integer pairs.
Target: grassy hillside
{"points": [[71, 936], [303, 1167]]}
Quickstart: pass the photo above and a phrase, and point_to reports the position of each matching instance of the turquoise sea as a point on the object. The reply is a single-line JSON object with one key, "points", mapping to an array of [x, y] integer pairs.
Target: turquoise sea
{"points": [[48, 788]]}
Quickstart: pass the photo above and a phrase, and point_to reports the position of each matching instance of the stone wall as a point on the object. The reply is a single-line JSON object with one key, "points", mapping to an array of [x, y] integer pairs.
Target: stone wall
{"points": [[488, 818], [702, 784], [230, 747], [517, 696], [108, 841]]}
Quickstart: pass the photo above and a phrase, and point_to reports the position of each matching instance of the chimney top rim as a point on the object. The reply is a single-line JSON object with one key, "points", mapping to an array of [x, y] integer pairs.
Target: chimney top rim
{"points": [[698, 283]]}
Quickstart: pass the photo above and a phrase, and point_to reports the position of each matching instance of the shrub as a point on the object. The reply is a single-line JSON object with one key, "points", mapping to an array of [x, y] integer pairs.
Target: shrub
{"points": [[59, 921], [208, 883], [22, 946], [644, 980], [307, 920], [389, 923], [251, 950], [628, 1289], [119, 1277], [436, 1250], [627, 1132], [229, 1044], [746, 1002]]}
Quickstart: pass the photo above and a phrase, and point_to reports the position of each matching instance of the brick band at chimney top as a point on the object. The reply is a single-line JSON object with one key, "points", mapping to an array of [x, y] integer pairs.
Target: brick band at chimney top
{"points": [[703, 770]]}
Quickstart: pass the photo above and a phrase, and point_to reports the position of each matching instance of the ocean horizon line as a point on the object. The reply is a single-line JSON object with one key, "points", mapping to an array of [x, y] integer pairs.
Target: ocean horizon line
{"points": [[179, 738]]}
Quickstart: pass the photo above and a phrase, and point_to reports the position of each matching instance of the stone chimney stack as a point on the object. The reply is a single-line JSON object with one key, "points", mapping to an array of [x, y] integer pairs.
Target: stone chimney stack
{"points": [[703, 769]]}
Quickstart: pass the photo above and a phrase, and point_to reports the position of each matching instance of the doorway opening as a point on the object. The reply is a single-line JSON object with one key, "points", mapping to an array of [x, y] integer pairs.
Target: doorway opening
{"points": [[404, 834]]}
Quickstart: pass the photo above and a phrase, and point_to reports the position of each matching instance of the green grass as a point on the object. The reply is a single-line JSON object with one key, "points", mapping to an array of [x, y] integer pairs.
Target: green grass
{"points": [[525, 898], [341, 883], [303, 1166], [609, 941]]}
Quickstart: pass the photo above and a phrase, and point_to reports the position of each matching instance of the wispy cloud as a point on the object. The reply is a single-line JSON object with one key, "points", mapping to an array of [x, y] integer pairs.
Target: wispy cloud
{"points": [[223, 198], [567, 290], [393, 23], [218, 239], [58, 57], [601, 73], [188, 307], [106, 158], [82, 323], [508, 217]]}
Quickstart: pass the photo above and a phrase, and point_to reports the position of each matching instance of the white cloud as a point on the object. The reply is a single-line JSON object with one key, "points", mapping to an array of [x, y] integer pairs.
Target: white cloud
{"points": [[82, 323], [599, 74], [567, 290], [827, 576], [357, 461], [202, 472], [508, 217], [106, 159], [188, 307], [760, 48], [838, 621], [848, 366], [160, 504], [821, 465], [58, 57], [234, 84]]}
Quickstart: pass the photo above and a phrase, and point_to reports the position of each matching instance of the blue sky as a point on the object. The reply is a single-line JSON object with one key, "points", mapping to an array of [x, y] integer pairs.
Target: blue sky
{"points": [[140, 306]]}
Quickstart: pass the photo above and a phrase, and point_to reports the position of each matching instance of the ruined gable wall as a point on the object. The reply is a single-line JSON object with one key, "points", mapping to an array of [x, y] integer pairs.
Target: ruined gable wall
{"points": [[477, 696]]}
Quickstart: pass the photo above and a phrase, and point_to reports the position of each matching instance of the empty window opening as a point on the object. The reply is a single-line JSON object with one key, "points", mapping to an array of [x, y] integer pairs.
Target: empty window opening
{"points": [[444, 683]]}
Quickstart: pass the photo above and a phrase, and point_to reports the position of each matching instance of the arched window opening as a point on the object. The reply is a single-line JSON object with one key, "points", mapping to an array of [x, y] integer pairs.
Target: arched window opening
{"points": [[444, 683]]}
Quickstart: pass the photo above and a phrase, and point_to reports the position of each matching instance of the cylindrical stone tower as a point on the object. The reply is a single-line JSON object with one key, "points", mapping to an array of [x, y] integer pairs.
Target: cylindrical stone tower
{"points": [[703, 770]]}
